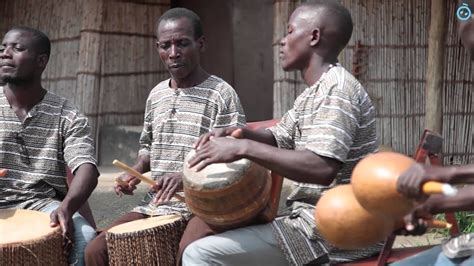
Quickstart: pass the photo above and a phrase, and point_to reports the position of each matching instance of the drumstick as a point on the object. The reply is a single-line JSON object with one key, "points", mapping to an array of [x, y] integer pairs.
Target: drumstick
{"points": [[138, 175], [439, 224], [433, 187]]}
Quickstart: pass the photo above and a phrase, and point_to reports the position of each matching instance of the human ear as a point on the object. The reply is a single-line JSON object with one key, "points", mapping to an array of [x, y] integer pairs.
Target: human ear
{"points": [[157, 45], [202, 43], [42, 60], [315, 37]]}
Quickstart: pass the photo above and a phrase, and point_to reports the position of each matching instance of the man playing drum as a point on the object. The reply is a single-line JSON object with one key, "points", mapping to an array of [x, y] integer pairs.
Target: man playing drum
{"points": [[41, 134], [459, 250], [317, 143], [178, 110]]}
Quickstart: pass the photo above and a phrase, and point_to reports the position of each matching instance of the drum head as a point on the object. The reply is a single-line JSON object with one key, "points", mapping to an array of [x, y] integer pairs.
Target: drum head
{"points": [[23, 225], [215, 176], [143, 224]]}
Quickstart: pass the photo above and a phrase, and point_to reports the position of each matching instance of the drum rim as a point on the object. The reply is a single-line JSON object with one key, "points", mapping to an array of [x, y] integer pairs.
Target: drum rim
{"points": [[175, 218], [49, 235]]}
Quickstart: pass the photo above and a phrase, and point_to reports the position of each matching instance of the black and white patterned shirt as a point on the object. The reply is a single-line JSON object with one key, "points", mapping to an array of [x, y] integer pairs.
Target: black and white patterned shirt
{"points": [[36, 152], [174, 120], [333, 118]]}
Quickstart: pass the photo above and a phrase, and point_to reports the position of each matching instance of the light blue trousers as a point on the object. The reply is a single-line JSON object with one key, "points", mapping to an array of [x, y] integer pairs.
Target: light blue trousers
{"points": [[84, 233], [434, 257], [251, 245]]}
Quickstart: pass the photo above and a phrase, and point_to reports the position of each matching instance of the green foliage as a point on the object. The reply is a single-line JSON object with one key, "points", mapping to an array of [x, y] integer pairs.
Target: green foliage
{"points": [[465, 223]]}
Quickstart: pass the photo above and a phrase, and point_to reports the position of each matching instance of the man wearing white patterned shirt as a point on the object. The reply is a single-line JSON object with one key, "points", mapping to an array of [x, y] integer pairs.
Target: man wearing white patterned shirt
{"points": [[40, 135], [317, 143], [178, 110]]}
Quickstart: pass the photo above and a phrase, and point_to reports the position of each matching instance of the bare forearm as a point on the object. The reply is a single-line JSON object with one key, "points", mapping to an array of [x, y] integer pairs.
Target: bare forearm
{"points": [[463, 174], [143, 164], [462, 201], [81, 187], [301, 166], [260, 135]]}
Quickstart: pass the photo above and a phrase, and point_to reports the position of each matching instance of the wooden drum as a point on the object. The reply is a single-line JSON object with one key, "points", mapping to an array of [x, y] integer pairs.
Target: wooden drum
{"points": [[227, 195], [151, 241], [26, 238]]}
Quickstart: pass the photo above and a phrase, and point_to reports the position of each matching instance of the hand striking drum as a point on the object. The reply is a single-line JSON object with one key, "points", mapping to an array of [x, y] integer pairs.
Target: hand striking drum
{"points": [[227, 194]]}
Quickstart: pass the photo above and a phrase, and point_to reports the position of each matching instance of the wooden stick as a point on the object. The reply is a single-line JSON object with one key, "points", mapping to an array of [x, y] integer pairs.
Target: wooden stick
{"points": [[3, 172], [439, 224], [138, 175], [433, 187]]}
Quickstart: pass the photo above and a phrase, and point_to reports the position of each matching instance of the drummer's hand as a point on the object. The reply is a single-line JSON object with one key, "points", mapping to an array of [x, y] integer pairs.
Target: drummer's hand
{"points": [[128, 190], [3, 172], [235, 132], [411, 181], [166, 186], [416, 222], [63, 218], [217, 150]]}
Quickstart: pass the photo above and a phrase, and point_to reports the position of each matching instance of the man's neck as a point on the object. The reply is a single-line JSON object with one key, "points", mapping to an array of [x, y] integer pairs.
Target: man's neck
{"points": [[316, 68], [195, 78], [24, 96]]}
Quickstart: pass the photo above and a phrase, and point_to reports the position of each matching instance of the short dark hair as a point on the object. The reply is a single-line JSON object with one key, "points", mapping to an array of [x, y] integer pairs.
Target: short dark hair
{"points": [[180, 12], [340, 15], [40, 39]]}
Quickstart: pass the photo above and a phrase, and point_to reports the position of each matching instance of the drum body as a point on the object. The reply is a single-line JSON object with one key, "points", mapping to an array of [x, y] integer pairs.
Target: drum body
{"points": [[27, 239], [227, 194], [151, 241]]}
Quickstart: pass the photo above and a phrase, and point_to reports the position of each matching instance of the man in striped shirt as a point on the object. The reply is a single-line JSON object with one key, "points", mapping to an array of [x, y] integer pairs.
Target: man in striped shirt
{"points": [[178, 110], [317, 143], [42, 134]]}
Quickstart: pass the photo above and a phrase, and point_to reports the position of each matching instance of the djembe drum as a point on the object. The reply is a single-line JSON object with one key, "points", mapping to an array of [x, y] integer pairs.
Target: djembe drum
{"points": [[227, 195], [27, 239], [150, 241]]}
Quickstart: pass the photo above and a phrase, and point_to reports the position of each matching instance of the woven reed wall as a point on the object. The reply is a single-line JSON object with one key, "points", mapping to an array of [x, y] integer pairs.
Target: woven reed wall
{"points": [[286, 85], [388, 53], [103, 53]]}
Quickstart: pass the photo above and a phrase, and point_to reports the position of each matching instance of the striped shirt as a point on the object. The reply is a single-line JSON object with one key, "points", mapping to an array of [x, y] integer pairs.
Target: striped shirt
{"points": [[37, 151], [174, 120], [333, 118]]}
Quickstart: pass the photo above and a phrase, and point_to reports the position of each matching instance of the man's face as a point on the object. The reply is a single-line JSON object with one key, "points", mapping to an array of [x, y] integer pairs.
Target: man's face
{"points": [[295, 47], [18, 57], [178, 48]]}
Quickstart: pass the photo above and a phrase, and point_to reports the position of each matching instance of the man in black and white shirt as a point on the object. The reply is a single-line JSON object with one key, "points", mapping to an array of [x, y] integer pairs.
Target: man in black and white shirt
{"points": [[41, 134], [316, 144]]}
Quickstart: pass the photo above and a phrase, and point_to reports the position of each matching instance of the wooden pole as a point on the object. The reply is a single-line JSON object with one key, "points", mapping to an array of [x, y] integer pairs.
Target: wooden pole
{"points": [[435, 73]]}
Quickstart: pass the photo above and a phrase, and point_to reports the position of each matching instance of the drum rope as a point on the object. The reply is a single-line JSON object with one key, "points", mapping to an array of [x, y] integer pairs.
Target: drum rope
{"points": [[31, 252]]}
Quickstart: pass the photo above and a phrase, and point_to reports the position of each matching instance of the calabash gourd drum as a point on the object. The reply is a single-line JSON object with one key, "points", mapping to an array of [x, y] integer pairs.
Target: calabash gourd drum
{"points": [[227, 194], [346, 224], [26, 238], [150, 241], [374, 181]]}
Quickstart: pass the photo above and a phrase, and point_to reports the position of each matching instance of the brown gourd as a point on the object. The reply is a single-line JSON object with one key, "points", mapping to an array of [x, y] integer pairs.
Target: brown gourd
{"points": [[345, 223]]}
